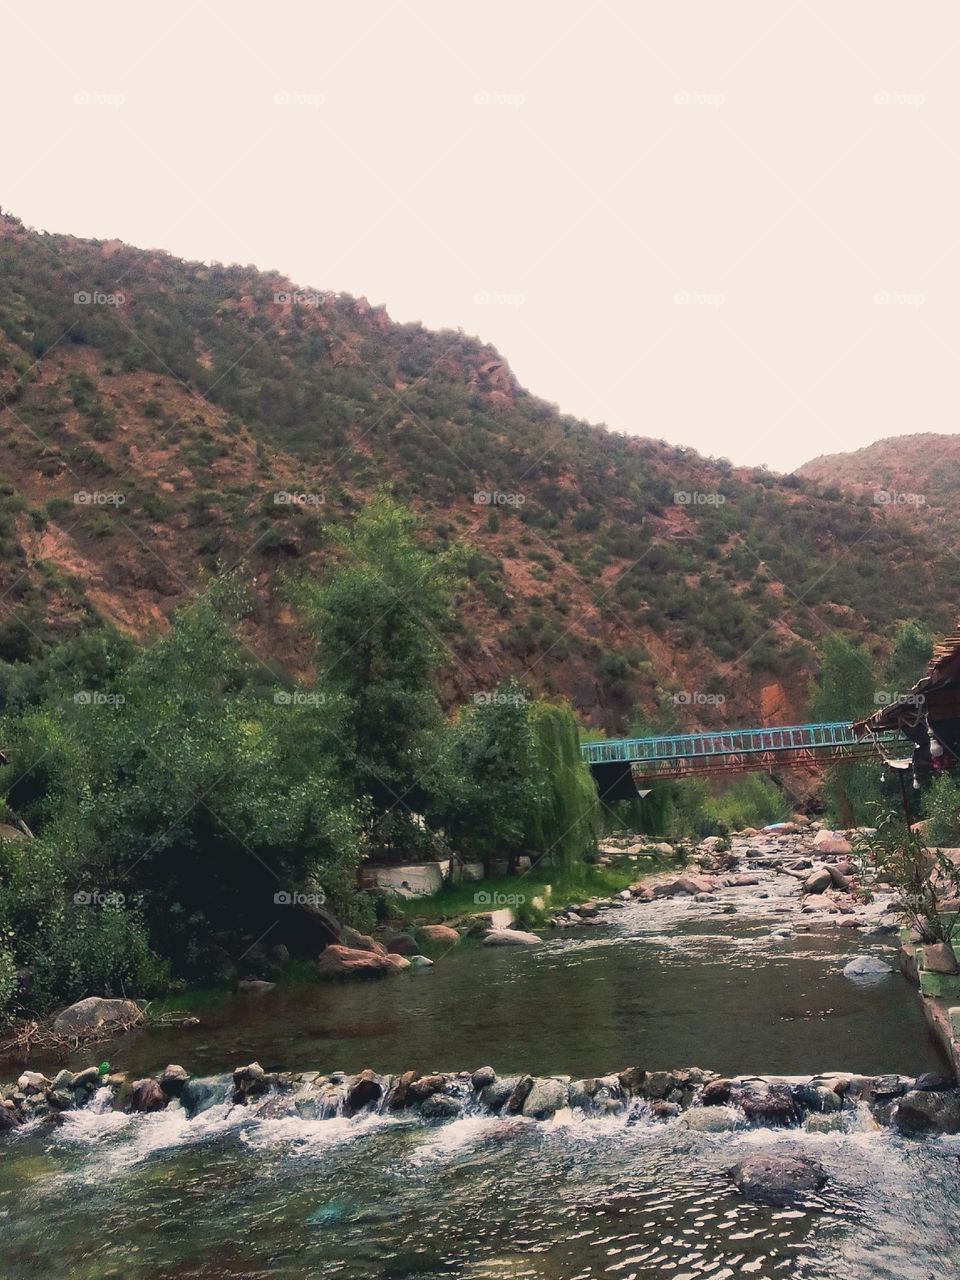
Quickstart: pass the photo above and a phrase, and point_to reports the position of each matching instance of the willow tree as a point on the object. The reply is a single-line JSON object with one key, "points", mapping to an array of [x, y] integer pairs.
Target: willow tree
{"points": [[565, 823]]}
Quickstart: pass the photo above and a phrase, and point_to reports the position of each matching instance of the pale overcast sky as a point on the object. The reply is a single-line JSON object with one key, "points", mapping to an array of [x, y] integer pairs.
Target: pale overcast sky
{"points": [[730, 225]]}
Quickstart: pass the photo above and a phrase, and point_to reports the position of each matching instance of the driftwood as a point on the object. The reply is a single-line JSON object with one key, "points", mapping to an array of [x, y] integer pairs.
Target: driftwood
{"points": [[35, 1036]]}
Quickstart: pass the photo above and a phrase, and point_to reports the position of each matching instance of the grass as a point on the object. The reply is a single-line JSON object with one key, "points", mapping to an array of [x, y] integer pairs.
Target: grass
{"points": [[566, 887]]}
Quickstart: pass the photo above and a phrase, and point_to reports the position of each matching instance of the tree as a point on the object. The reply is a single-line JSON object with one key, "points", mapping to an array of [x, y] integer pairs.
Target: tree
{"points": [[565, 825], [844, 691], [911, 651], [379, 620]]}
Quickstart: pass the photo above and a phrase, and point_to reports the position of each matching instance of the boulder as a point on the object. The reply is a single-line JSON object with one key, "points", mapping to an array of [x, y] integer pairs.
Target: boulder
{"points": [[95, 1014], [495, 1094], [440, 1106], [173, 1079], [511, 938], [770, 1105], [818, 881], [366, 1088], [771, 1178], [938, 957], [832, 842], [866, 967], [146, 1095], [361, 941], [402, 944], [8, 1117], [347, 962], [419, 962], [922, 1111], [199, 1095], [254, 986], [440, 933], [482, 1077], [545, 1098], [249, 1081], [711, 1119], [520, 1093]]}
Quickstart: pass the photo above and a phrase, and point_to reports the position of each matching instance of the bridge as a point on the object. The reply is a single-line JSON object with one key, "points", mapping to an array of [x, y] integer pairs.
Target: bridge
{"points": [[620, 764]]}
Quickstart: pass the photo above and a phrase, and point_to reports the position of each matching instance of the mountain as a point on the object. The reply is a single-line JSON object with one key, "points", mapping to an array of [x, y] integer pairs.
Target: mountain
{"points": [[920, 470], [164, 421]]}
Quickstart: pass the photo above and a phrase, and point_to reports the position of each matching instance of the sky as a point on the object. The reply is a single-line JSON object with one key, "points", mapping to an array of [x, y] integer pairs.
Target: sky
{"points": [[730, 226]]}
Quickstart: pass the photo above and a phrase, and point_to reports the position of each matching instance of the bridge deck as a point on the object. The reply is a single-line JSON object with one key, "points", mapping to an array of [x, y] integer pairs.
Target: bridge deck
{"points": [[737, 750]]}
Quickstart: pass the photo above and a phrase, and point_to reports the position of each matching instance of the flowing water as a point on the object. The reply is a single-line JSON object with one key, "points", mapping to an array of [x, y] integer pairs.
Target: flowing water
{"points": [[265, 1192]]}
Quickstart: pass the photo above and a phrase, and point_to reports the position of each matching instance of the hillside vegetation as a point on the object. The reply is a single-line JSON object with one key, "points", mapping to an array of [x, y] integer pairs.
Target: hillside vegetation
{"points": [[148, 429]]}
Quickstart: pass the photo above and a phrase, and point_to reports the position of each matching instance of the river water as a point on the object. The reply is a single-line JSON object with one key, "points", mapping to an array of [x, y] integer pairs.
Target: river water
{"points": [[236, 1193]]}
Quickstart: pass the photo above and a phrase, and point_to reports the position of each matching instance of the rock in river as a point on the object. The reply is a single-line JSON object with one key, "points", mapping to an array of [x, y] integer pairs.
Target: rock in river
{"points": [[866, 967], [920, 1111], [771, 1178], [345, 962], [511, 938], [93, 1014]]}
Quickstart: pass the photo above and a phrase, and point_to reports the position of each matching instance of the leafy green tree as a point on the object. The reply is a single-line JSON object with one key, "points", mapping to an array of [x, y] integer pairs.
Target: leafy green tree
{"points": [[844, 690], [911, 651], [379, 620], [565, 824]]}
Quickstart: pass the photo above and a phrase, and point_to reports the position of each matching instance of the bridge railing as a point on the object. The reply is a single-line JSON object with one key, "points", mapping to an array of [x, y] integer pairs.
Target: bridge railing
{"points": [[727, 742]]}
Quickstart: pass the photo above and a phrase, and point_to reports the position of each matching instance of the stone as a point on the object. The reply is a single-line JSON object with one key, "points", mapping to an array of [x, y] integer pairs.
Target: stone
{"points": [[711, 1119], [818, 881], [771, 1178], [822, 1122], [770, 1105], [511, 938], [420, 962], [200, 1095], [662, 1110], [90, 1016], [938, 957], [146, 1095], [482, 1077], [920, 1111], [440, 933], [494, 1095], [8, 1118], [32, 1082], [173, 1079], [346, 962], [587, 910], [248, 1081], [402, 944], [866, 967], [832, 842], [254, 986], [716, 1093], [545, 1098], [364, 1090], [425, 1087], [361, 941], [930, 1081], [440, 1106], [519, 1095]]}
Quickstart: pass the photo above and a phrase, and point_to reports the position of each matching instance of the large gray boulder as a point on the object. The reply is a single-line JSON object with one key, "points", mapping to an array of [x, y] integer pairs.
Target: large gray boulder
{"points": [[818, 881], [866, 968], [545, 1098], [920, 1111], [711, 1119], [95, 1014], [771, 1178]]}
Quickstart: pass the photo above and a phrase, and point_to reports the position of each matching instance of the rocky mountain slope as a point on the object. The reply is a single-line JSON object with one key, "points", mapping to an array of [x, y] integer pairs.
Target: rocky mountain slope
{"points": [[164, 421]]}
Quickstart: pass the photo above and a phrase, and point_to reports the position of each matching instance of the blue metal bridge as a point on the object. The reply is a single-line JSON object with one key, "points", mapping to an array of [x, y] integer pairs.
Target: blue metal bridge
{"points": [[734, 751]]}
